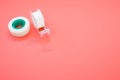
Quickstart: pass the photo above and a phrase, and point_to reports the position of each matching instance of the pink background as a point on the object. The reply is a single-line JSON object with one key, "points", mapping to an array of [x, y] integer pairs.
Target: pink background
{"points": [[84, 43]]}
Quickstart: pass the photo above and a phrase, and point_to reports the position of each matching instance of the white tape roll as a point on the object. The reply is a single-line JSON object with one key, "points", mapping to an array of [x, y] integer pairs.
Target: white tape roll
{"points": [[39, 23], [19, 26]]}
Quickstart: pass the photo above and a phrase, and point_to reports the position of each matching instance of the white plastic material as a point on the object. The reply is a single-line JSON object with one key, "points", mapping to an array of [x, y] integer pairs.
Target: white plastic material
{"points": [[39, 23], [21, 31]]}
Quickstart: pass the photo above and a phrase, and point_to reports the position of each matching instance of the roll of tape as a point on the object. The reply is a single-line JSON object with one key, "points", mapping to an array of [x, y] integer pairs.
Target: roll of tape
{"points": [[39, 23], [19, 26]]}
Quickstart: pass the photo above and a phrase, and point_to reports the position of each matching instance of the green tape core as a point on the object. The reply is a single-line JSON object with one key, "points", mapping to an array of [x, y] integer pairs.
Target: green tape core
{"points": [[18, 24]]}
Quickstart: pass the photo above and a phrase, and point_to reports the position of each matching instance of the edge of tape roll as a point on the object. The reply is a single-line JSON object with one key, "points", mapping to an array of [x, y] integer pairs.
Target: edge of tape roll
{"points": [[39, 23], [24, 24]]}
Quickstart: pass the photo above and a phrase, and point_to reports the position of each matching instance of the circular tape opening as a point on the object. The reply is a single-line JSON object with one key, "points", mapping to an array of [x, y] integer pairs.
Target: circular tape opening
{"points": [[18, 24]]}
